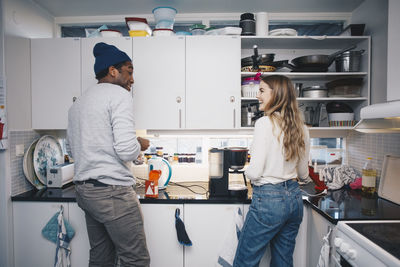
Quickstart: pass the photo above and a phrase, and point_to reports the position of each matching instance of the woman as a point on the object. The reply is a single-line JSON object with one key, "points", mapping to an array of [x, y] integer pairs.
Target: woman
{"points": [[279, 154]]}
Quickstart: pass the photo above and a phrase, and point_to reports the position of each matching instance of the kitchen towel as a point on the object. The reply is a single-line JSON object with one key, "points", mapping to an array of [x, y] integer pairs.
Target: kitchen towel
{"points": [[323, 260], [337, 177], [183, 237], [60, 232], [228, 251]]}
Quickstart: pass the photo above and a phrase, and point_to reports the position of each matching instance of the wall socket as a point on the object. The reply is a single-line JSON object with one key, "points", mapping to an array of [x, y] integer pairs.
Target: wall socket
{"points": [[19, 150]]}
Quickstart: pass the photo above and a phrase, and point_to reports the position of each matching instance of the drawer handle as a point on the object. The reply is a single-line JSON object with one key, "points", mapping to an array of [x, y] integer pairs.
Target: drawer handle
{"points": [[74, 99]]}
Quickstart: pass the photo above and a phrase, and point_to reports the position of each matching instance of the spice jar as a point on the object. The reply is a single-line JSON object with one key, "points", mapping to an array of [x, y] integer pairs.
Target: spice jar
{"points": [[159, 151]]}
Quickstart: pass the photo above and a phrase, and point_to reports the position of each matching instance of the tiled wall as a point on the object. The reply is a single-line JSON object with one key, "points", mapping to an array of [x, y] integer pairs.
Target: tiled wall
{"points": [[361, 146], [19, 183]]}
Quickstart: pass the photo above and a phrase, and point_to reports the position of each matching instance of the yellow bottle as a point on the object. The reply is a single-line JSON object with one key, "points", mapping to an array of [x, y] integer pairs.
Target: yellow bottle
{"points": [[368, 178]]}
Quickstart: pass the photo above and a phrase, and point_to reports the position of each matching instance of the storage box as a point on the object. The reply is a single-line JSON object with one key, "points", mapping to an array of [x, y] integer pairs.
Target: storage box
{"points": [[334, 156], [318, 154]]}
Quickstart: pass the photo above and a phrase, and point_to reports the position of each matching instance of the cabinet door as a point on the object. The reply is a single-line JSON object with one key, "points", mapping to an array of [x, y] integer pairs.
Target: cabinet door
{"points": [[55, 70], [30, 247], [80, 243], [207, 226], [88, 76], [212, 82], [159, 226], [159, 88]]}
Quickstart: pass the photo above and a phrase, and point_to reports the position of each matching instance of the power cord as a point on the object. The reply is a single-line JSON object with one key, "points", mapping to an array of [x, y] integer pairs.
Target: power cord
{"points": [[316, 195], [188, 187]]}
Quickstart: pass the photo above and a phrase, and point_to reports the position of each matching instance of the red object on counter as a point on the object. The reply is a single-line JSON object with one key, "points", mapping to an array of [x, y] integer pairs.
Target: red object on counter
{"points": [[151, 185], [319, 185], [1, 130]]}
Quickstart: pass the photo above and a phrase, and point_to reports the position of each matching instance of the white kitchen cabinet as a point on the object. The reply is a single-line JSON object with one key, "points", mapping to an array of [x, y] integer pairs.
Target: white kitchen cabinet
{"points": [[207, 226], [162, 242], [288, 48], [159, 88], [30, 247], [80, 243], [300, 254], [318, 227], [55, 70], [88, 59], [212, 82]]}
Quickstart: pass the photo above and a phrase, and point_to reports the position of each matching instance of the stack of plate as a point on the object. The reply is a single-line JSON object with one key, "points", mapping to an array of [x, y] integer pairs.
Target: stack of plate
{"points": [[283, 32], [41, 154]]}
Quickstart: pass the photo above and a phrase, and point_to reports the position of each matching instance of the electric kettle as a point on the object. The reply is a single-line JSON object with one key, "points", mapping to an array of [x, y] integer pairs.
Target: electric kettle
{"points": [[158, 163]]}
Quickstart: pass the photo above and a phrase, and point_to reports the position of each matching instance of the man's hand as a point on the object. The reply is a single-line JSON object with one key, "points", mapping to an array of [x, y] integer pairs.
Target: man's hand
{"points": [[144, 143]]}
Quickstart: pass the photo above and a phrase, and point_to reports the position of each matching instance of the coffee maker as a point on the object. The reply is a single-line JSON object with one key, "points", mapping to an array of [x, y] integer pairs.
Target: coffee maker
{"points": [[222, 163]]}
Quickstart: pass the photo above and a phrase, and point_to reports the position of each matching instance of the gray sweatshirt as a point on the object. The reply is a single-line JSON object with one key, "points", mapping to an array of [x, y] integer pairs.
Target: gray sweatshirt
{"points": [[101, 135]]}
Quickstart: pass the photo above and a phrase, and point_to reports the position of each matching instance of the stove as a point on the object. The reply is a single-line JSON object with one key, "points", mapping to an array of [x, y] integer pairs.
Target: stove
{"points": [[367, 243]]}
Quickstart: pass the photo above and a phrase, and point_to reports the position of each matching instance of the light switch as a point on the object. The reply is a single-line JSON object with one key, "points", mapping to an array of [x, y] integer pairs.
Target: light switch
{"points": [[19, 150]]}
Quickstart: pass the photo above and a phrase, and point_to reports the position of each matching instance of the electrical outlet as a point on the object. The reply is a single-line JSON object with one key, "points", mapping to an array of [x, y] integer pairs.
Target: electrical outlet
{"points": [[19, 150]]}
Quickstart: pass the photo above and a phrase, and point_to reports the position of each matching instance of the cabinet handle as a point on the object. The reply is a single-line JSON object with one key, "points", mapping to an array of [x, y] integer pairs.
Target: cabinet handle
{"points": [[234, 118], [232, 99], [180, 118], [178, 99], [74, 99]]}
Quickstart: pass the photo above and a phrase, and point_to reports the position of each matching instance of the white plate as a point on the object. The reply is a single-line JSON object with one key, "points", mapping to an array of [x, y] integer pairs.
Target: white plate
{"points": [[47, 153], [283, 32], [27, 166]]}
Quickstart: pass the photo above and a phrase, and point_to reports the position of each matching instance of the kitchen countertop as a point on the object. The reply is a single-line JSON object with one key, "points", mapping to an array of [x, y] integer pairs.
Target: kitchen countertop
{"points": [[342, 204]]}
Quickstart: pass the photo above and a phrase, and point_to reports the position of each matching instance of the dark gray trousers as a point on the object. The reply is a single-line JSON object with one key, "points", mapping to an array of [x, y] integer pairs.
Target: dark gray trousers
{"points": [[114, 223]]}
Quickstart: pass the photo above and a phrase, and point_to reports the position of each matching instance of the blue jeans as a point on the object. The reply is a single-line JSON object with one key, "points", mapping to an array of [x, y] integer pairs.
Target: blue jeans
{"points": [[274, 217]]}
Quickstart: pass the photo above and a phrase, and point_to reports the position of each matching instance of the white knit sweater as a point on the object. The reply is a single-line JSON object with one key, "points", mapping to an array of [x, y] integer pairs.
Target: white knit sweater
{"points": [[268, 164], [101, 135]]}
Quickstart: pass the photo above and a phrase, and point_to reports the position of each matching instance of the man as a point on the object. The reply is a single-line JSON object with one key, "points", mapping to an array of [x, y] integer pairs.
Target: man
{"points": [[101, 139]]}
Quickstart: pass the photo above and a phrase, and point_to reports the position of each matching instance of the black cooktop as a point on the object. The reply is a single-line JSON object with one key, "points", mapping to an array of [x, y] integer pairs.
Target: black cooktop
{"points": [[385, 235]]}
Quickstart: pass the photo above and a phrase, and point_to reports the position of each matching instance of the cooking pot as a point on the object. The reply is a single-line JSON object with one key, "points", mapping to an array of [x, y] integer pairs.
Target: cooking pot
{"points": [[237, 157], [315, 91], [349, 61], [316, 62]]}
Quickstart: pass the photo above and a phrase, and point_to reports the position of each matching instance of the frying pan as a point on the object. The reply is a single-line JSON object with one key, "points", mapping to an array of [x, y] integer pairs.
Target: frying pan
{"points": [[318, 61]]}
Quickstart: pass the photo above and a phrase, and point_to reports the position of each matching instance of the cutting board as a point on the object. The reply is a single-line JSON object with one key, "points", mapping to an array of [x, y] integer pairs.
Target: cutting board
{"points": [[389, 186]]}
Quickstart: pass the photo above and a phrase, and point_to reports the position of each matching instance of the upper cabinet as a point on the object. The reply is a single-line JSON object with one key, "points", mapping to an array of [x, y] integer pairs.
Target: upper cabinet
{"points": [[159, 88], [212, 82], [55, 70], [88, 76], [289, 48]]}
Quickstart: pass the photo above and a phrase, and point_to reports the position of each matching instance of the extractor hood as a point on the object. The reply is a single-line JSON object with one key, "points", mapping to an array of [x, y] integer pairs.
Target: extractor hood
{"points": [[380, 118]]}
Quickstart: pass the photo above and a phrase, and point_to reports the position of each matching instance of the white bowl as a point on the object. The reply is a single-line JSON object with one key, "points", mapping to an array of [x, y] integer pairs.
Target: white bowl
{"points": [[341, 116], [164, 13], [110, 33]]}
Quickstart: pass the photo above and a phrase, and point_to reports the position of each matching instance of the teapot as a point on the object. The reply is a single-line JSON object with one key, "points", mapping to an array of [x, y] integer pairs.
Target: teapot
{"points": [[158, 163]]}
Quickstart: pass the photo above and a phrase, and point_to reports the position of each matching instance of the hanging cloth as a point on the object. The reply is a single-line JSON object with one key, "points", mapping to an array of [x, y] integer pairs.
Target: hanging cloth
{"points": [[60, 232], [323, 260]]}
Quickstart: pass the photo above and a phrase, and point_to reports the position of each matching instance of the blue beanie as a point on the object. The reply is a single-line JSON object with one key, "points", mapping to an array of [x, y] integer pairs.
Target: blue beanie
{"points": [[107, 55]]}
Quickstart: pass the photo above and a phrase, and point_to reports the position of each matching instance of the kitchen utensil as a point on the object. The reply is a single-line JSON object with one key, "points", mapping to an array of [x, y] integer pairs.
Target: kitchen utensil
{"points": [[349, 61], [164, 13], [315, 91], [110, 33], [158, 163], [29, 170], [389, 185], [318, 61], [248, 24], [47, 153], [323, 116], [297, 88], [348, 87]]}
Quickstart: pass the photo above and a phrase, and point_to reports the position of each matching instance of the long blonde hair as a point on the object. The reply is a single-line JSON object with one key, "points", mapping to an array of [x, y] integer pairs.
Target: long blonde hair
{"points": [[283, 111]]}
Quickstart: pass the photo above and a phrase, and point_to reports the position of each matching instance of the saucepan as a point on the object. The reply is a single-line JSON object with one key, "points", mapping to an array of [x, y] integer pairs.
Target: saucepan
{"points": [[316, 62]]}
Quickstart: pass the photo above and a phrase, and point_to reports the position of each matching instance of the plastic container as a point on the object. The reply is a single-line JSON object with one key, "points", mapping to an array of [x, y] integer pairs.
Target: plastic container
{"points": [[163, 32], [138, 33], [138, 24], [368, 178], [165, 24], [164, 13], [110, 33], [198, 29], [318, 155]]}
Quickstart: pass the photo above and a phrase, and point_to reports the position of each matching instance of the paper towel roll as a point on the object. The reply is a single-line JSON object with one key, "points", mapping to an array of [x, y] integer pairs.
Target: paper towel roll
{"points": [[262, 24]]}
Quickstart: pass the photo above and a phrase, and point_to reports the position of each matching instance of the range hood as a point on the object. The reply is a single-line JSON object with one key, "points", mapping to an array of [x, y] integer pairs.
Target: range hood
{"points": [[380, 118]]}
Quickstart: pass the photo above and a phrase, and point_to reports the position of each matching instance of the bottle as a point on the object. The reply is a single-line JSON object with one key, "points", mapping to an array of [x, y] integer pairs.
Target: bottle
{"points": [[198, 158], [368, 178]]}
